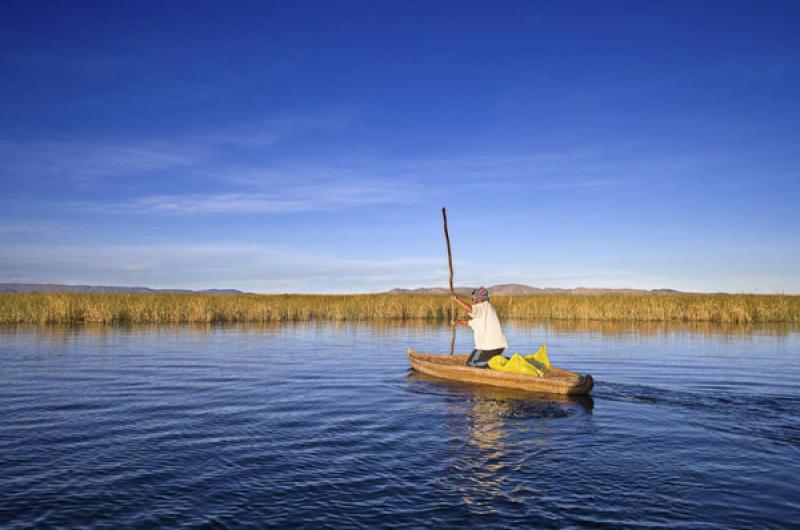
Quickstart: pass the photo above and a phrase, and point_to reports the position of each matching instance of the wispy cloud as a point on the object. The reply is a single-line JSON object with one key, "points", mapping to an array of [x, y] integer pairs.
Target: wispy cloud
{"points": [[28, 228], [243, 266], [572, 169], [239, 171], [87, 160], [194, 203], [569, 169], [291, 198], [258, 268], [207, 153], [275, 268]]}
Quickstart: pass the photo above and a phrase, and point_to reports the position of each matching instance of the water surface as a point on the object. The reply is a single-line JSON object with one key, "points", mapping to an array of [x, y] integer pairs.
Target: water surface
{"points": [[323, 425]]}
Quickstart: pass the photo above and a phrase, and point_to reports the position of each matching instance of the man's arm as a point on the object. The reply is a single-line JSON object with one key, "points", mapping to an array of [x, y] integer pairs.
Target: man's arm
{"points": [[460, 322], [465, 306]]}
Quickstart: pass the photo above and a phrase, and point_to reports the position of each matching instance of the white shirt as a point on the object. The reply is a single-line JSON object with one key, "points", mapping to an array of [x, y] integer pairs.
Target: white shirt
{"points": [[488, 333]]}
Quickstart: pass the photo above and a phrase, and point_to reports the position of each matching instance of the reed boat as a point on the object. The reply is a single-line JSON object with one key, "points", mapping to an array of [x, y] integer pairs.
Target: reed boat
{"points": [[556, 381]]}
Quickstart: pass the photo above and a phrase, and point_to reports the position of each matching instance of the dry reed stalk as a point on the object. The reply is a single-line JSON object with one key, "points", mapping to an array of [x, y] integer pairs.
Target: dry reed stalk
{"points": [[180, 308]]}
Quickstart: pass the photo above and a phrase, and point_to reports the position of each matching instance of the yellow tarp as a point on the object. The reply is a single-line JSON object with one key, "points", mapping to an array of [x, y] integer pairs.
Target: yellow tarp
{"points": [[515, 365], [540, 357], [535, 364]]}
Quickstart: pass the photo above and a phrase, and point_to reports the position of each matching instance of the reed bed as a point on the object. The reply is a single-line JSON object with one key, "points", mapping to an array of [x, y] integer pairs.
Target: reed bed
{"points": [[109, 308]]}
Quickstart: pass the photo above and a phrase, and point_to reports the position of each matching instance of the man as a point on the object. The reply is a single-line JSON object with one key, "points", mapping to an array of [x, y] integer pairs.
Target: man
{"points": [[489, 337]]}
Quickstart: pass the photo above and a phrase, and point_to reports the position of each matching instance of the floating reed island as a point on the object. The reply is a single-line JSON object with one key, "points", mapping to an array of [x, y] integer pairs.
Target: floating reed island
{"points": [[111, 308]]}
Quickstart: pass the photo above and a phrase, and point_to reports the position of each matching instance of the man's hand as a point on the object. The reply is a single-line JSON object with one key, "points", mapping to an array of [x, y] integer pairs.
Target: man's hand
{"points": [[466, 307]]}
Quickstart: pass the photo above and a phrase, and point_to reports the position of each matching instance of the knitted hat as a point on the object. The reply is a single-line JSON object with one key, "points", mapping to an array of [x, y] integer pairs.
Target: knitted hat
{"points": [[481, 294]]}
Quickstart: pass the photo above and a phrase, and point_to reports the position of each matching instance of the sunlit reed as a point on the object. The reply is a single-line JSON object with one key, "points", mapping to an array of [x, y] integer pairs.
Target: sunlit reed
{"points": [[166, 308]]}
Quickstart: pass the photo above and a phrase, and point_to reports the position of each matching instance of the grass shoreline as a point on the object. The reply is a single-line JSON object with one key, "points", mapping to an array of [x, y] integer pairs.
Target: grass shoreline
{"points": [[111, 308]]}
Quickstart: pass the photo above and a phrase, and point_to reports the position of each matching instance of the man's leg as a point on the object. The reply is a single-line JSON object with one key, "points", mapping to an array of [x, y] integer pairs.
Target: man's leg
{"points": [[480, 358], [472, 357]]}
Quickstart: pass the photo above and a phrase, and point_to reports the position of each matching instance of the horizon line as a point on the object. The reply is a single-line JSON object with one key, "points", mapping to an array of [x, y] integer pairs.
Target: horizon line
{"points": [[205, 290]]}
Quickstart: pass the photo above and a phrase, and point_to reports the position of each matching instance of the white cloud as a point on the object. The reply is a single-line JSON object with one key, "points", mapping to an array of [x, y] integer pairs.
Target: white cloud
{"points": [[30, 228], [86, 160], [205, 204], [224, 265], [289, 198], [192, 154], [256, 268]]}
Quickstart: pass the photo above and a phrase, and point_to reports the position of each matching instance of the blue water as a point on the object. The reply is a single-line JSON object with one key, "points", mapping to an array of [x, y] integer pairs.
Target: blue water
{"points": [[324, 426]]}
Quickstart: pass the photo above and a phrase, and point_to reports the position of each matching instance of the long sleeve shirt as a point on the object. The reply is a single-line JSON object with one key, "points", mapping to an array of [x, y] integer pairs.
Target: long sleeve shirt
{"points": [[486, 326]]}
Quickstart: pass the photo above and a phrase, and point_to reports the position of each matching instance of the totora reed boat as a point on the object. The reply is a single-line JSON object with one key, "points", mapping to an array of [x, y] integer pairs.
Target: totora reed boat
{"points": [[557, 381]]}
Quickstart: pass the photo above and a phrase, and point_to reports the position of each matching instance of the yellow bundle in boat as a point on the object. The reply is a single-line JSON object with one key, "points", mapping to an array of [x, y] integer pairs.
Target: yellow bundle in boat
{"points": [[540, 358], [515, 365]]}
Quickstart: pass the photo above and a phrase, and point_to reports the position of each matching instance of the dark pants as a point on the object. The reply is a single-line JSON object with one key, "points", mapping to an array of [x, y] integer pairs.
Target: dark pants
{"points": [[480, 358]]}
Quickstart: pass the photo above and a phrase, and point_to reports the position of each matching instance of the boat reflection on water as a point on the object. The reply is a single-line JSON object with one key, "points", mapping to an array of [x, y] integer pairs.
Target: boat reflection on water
{"points": [[498, 436]]}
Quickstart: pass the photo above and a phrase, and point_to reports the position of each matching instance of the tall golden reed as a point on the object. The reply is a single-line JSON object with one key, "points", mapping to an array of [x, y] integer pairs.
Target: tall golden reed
{"points": [[174, 308]]}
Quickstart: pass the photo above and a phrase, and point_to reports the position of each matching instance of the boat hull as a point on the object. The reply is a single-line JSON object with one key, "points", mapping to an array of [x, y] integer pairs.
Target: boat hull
{"points": [[557, 381]]}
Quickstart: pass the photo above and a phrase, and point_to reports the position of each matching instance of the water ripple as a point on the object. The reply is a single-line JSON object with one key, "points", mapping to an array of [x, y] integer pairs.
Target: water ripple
{"points": [[214, 429]]}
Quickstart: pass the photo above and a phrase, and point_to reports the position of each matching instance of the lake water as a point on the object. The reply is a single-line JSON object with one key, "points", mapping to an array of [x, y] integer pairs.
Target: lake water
{"points": [[323, 425]]}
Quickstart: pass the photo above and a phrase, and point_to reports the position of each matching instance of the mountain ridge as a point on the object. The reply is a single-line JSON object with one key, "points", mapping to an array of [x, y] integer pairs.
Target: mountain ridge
{"points": [[69, 288], [505, 289], [518, 289]]}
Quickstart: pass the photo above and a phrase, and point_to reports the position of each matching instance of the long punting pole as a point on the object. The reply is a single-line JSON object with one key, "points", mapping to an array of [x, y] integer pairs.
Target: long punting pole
{"points": [[452, 291]]}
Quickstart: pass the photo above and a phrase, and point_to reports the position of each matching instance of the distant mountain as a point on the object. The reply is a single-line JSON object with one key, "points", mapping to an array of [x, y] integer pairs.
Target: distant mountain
{"points": [[505, 289], [60, 288], [519, 289], [431, 290]]}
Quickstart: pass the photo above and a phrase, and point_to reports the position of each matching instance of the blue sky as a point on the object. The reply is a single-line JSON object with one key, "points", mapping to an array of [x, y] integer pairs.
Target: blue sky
{"points": [[309, 146]]}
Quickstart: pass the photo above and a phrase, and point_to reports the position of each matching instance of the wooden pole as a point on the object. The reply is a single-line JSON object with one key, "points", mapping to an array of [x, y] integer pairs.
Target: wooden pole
{"points": [[452, 291]]}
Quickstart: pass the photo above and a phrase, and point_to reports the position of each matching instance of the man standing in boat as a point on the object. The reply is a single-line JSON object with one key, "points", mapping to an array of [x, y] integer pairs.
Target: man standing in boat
{"points": [[489, 337]]}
